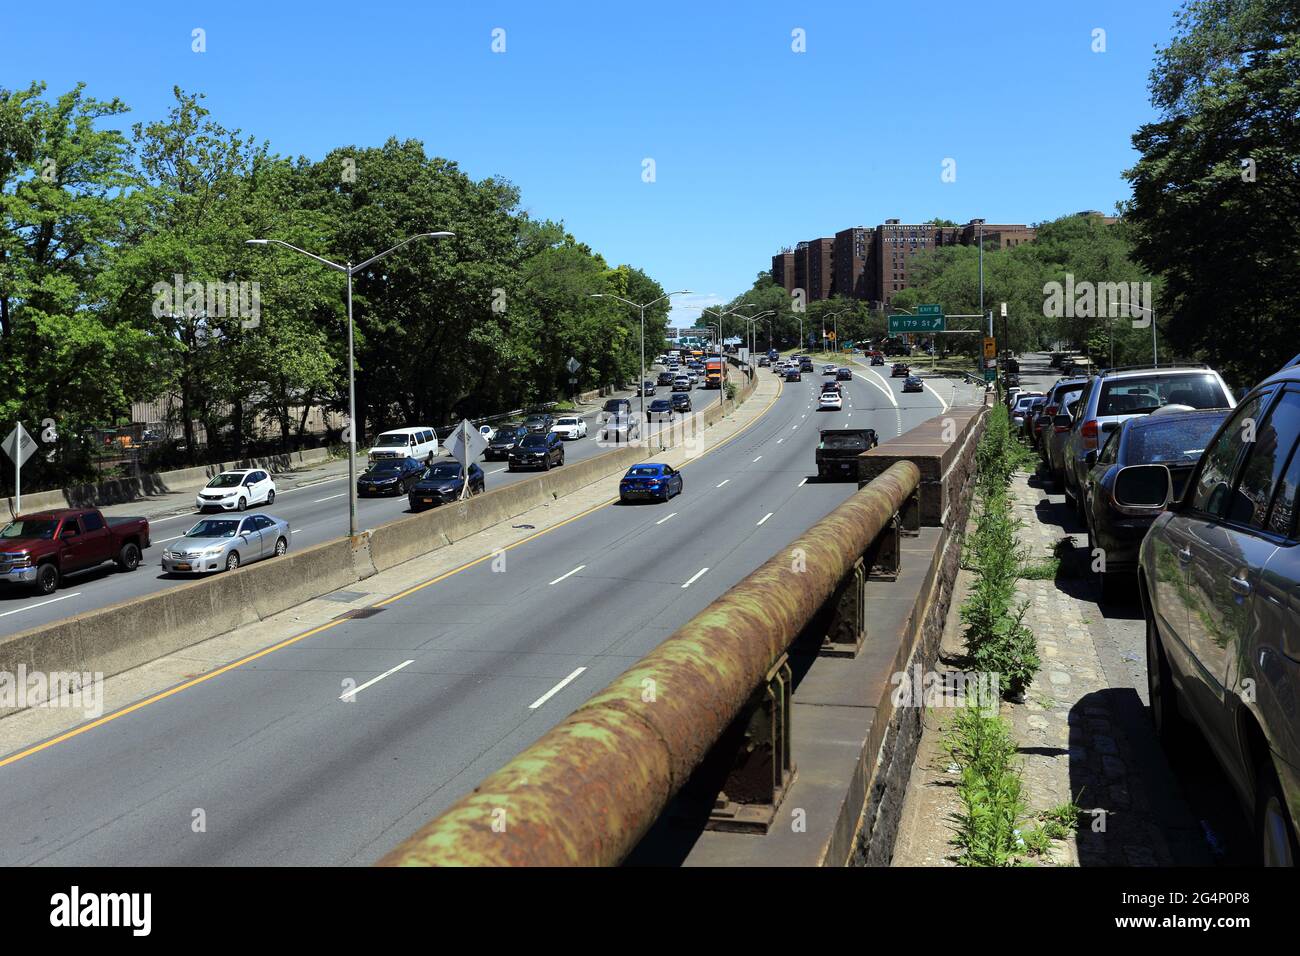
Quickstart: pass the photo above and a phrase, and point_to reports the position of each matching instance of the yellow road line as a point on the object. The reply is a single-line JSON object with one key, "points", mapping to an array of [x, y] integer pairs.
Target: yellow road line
{"points": [[78, 731]]}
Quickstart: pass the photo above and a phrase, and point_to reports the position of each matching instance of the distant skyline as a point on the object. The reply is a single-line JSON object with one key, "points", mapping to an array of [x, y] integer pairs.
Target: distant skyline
{"points": [[754, 146]]}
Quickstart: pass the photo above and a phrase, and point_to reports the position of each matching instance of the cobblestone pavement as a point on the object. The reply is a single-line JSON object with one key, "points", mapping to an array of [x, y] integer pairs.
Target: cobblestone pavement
{"points": [[1083, 729]]}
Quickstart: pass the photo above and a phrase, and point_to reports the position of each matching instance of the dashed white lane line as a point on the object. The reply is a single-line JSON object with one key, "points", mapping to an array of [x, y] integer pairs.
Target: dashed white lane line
{"points": [[350, 695], [802, 483], [723, 482], [756, 459], [695, 577], [556, 689], [497, 472], [330, 498], [665, 518], [32, 607], [295, 530], [569, 574], [764, 518], [779, 440]]}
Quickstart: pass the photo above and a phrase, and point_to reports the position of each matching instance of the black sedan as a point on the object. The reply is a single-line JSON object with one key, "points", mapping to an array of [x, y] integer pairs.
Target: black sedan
{"points": [[877, 360], [899, 370], [793, 375], [681, 402], [504, 442], [537, 450], [1173, 439], [913, 384], [389, 476], [443, 481], [844, 375], [659, 408]]}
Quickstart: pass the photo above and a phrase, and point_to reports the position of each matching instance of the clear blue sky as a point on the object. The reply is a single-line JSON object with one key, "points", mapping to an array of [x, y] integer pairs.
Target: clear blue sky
{"points": [[755, 146]]}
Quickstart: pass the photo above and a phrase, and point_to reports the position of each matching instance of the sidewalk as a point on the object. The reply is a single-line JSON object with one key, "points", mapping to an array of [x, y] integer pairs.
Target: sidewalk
{"points": [[1083, 731]]}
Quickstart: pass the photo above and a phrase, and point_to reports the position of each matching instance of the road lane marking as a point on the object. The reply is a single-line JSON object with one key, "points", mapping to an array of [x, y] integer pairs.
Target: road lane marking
{"points": [[330, 498], [497, 472], [802, 483], [764, 518], [295, 530], [555, 690], [889, 393], [779, 440], [351, 695], [756, 459], [32, 607], [723, 482], [662, 520], [296, 638], [570, 574], [695, 577], [936, 395]]}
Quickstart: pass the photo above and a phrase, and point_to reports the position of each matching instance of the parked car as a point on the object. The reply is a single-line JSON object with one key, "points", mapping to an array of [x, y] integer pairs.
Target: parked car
{"points": [[444, 481], [1116, 394], [1020, 408], [1055, 437], [1051, 408], [572, 427], [839, 448], [650, 481], [223, 544], [1219, 578], [660, 408], [1174, 440], [391, 476], [236, 490], [420, 443], [913, 383], [624, 428], [537, 450], [681, 402], [830, 402], [38, 550], [900, 370], [540, 422], [504, 442]]}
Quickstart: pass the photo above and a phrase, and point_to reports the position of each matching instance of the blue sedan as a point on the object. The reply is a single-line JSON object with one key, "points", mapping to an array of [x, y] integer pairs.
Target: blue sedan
{"points": [[650, 480]]}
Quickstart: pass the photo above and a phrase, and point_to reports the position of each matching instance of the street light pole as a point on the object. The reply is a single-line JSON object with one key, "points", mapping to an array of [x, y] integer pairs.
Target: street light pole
{"points": [[350, 270], [641, 307]]}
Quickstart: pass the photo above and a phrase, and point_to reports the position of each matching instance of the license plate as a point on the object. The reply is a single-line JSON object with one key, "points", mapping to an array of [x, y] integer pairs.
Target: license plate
{"points": [[427, 501], [182, 567]]}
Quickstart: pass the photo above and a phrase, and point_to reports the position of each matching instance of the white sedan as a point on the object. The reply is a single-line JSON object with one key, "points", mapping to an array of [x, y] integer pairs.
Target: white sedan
{"points": [[236, 490], [830, 402], [570, 427]]}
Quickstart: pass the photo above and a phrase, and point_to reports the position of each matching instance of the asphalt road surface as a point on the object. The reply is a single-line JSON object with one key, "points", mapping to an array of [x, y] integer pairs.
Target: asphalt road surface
{"points": [[314, 504], [453, 680]]}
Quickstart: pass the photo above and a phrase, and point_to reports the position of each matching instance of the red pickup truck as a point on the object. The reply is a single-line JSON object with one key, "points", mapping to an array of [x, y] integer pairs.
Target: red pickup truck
{"points": [[37, 550]]}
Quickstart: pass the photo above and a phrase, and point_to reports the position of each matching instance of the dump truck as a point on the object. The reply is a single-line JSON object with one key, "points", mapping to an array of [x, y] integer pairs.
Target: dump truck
{"points": [[838, 451]]}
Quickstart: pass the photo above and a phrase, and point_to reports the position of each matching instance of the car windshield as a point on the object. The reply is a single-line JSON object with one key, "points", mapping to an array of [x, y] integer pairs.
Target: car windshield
{"points": [[213, 528], [447, 470], [567, 421], [229, 479], [643, 471], [392, 440], [30, 528], [1133, 396], [534, 441], [844, 441], [1174, 439], [504, 434]]}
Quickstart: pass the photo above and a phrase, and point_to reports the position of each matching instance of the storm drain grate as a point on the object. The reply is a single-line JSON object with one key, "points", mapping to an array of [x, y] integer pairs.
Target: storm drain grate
{"points": [[359, 613]]}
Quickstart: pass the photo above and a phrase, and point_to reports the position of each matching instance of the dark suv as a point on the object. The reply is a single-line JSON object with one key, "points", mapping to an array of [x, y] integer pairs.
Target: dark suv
{"points": [[504, 441], [1219, 577], [537, 450]]}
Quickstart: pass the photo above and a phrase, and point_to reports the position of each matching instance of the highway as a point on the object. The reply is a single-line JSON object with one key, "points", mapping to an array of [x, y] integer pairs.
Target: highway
{"points": [[316, 507], [454, 679]]}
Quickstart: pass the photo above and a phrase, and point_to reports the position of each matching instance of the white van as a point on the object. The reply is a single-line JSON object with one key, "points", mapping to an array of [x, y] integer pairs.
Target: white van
{"points": [[420, 443]]}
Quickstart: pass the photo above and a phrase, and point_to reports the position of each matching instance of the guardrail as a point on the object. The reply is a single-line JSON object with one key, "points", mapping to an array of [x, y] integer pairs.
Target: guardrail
{"points": [[587, 791]]}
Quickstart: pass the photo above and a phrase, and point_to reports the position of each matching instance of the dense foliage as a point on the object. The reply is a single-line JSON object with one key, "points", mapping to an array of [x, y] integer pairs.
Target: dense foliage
{"points": [[94, 217]]}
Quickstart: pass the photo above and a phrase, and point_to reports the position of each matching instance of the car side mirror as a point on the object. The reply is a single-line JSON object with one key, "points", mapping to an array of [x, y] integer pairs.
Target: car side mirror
{"points": [[1144, 486], [69, 533]]}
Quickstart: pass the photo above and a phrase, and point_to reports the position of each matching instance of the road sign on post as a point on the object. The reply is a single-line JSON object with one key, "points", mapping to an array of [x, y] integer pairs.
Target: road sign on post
{"points": [[19, 446], [901, 324], [466, 443], [990, 348], [573, 365], [932, 308]]}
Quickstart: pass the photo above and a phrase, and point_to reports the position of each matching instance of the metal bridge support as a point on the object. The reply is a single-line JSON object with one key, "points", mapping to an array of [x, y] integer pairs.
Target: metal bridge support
{"points": [[847, 629], [762, 769]]}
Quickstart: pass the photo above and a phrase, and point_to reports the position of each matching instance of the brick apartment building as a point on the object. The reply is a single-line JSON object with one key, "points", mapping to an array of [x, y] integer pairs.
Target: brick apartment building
{"points": [[873, 264]]}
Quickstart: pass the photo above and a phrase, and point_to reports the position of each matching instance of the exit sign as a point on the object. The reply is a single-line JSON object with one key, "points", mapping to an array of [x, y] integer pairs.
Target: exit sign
{"points": [[915, 323], [931, 309]]}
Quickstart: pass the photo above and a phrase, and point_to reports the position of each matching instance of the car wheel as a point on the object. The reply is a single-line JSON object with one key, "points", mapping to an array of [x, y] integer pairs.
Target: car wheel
{"points": [[1277, 842], [243, 504], [1171, 726], [128, 559], [270, 497], [546, 464], [232, 561], [281, 546], [47, 579]]}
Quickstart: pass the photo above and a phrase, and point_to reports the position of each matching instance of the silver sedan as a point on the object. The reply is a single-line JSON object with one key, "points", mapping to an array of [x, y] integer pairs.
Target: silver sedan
{"points": [[223, 544]]}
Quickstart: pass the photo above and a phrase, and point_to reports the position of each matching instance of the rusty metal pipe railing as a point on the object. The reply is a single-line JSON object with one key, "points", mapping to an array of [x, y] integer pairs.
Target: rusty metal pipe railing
{"points": [[587, 791]]}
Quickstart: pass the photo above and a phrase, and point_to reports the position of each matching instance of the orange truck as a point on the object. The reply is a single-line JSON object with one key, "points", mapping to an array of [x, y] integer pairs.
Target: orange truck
{"points": [[715, 373]]}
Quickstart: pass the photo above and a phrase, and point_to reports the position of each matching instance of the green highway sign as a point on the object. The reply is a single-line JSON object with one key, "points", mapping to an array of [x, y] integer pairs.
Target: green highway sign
{"points": [[915, 323], [931, 309], [990, 375]]}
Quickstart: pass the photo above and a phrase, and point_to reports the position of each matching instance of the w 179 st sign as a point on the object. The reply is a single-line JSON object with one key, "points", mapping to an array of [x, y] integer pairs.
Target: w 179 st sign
{"points": [[915, 323]]}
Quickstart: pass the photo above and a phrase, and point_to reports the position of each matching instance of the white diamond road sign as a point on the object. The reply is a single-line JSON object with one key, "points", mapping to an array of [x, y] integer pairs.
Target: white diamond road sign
{"points": [[19, 445], [466, 443]]}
